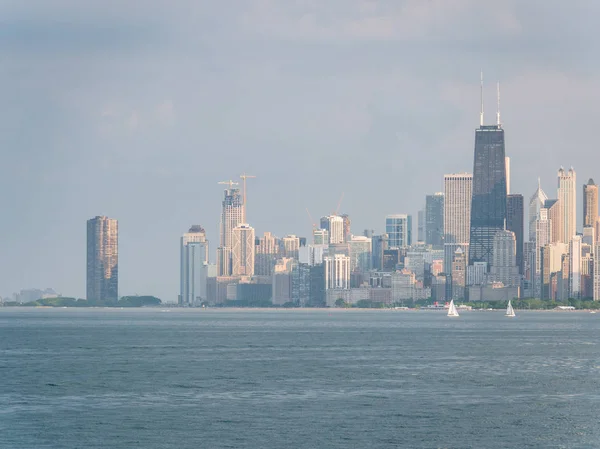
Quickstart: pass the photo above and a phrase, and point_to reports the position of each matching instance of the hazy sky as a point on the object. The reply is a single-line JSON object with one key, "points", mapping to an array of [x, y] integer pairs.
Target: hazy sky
{"points": [[136, 109]]}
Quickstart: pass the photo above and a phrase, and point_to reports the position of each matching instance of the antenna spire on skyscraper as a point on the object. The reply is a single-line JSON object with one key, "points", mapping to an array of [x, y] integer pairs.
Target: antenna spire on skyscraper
{"points": [[481, 96], [498, 112]]}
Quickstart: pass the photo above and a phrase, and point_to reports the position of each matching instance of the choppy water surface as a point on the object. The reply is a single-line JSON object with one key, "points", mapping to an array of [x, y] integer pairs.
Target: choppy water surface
{"points": [[102, 378]]}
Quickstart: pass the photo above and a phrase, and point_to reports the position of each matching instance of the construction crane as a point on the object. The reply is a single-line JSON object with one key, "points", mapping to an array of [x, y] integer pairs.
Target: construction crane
{"points": [[244, 176], [337, 211], [229, 183], [314, 225]]}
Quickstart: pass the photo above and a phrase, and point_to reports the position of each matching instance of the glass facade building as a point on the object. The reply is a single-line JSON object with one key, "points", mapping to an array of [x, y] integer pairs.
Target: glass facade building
{"points": [[399, 230], [488, 204], [515, 215], [434, 220]]}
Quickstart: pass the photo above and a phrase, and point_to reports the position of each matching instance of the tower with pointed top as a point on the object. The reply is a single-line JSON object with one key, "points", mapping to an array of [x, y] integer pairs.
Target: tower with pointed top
{"points": [[590, 204], [488, 203]]}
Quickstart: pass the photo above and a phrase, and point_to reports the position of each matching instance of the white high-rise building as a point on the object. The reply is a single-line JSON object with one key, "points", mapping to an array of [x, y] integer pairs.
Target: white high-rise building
{"points": [[536, 203], [243, 250], [457, 215], [312, 254], [193, 267], [337, 272], [575, 267], [567, 197], [542, 235], [336, 229], [232, 215], [504, 260]]}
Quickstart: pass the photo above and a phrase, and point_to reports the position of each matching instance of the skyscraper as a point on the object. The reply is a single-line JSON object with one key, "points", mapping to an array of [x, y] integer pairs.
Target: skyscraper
{"points": [[290, 246], [242, 251], [346, 227], [488, 206], [360, 253], [398, 227], [504, 262], [320, 236], [335, 225], [507, 165], [596, 273], [590, 204], [567, 198], [575, 267], [536, 202], [232, 215], [514, 223], [421, 226], [267, 249], [457, 213], [102, 259], [337, 272], [554, 211], [193, 266], [434, 220]]}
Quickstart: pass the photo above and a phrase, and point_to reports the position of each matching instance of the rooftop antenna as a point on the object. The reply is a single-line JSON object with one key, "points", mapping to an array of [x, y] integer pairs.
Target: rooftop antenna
{"points": [[498, 113], [481, 95]]}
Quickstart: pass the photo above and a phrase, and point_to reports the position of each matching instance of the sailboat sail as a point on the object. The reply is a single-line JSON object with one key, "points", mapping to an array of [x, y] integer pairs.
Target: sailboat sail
{"points": [[452, 309], [509, 310]]}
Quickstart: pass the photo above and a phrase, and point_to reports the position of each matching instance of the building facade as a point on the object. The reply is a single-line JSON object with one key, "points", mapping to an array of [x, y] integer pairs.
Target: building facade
{"points": [[488, 205], [567, 198], [102, 259], [232, 214], [515, 223], [193, 267], [434, 220], [243, 250], [504, 267], [536, 203], [337, 272], [590, 204], [457, 215], [398, 227]]}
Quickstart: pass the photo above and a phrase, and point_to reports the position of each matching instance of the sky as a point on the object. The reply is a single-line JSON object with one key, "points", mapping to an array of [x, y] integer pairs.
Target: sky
{"points": [[137, 109]]}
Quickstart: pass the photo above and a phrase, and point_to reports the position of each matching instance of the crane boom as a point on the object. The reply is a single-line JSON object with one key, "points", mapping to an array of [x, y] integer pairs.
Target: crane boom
{"points": [[229, 183]]}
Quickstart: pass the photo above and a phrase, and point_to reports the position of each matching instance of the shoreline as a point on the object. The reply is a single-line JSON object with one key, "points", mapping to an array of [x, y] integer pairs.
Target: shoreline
{"points": [[169, 308]]}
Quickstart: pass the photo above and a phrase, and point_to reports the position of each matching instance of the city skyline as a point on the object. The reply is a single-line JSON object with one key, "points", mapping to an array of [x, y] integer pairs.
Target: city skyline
{"points": [[348, 112]]}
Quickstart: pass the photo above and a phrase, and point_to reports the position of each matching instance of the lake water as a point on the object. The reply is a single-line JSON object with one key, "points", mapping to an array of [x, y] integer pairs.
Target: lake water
{"points": [[115, 378]]}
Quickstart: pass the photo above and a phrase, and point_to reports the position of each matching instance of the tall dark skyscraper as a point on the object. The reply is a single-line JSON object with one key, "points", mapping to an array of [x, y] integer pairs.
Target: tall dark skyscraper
{"points": [[515, 223], [434, 220], [488, 204], [102, 259]]}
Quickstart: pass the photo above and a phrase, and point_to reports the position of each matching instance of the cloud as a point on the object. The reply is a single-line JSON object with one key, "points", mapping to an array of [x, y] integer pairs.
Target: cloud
{"points": [[405, 20]]}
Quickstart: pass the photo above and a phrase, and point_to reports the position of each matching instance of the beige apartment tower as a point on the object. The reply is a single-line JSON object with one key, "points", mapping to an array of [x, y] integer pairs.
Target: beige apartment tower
{"points": [[567, 198], [590, 204], [102, 259], [457, 215], [243, 250]]}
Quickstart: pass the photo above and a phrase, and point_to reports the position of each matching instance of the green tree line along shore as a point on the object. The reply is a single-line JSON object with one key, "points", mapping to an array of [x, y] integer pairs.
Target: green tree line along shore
{"points": [[146, 301], [61, 301]]}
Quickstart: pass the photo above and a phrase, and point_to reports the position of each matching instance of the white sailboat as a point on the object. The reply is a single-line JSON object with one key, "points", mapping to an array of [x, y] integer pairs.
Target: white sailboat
{"points": [[452, 309], [509, 310]]}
